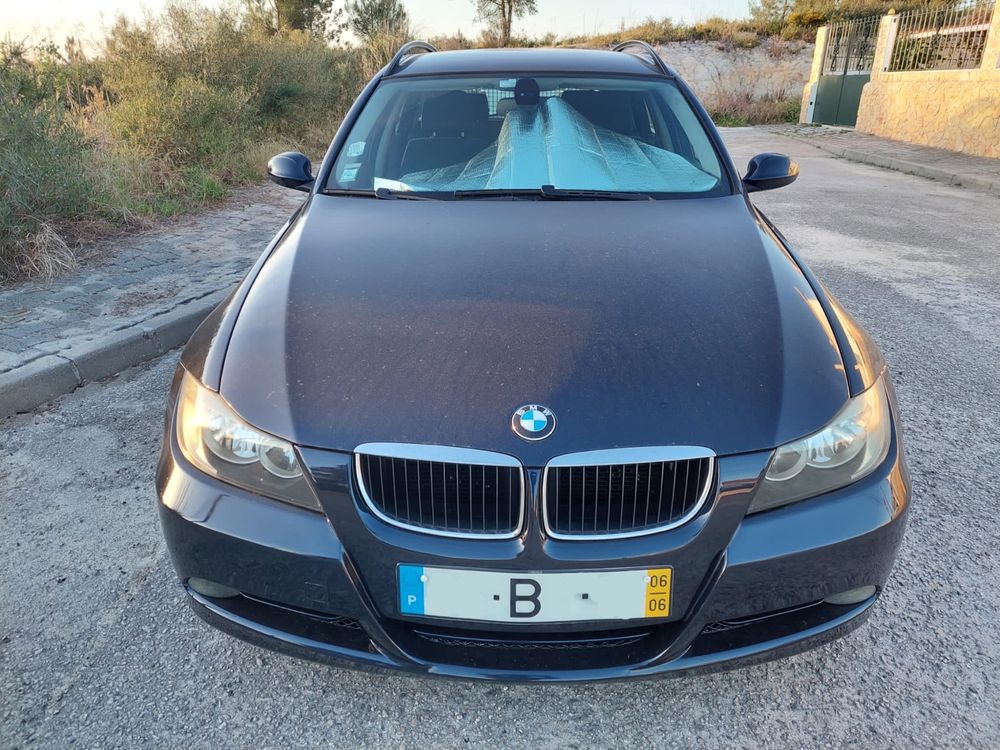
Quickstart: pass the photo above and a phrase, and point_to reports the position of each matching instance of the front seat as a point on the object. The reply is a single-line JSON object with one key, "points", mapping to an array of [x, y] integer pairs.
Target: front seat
{"points": [[452, 129], [613, 110]]}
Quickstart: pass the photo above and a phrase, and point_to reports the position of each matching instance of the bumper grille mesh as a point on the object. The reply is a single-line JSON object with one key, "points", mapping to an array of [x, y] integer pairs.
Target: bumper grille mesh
{"points": [[563, 644], [443, 497], [624, 499]]}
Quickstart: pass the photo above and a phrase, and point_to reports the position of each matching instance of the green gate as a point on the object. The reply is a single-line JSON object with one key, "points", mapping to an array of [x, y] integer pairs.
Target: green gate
{"points": [[847, 67]]}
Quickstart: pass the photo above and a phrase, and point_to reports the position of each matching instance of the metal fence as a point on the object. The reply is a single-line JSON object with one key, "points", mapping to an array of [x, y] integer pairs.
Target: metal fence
{"points": [[850, 46], [943, 37]]}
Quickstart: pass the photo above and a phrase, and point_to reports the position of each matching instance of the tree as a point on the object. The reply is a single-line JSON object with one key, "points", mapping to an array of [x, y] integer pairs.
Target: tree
{"points": [[369, 18], [500, 14], [317, 17], [771, 15]]}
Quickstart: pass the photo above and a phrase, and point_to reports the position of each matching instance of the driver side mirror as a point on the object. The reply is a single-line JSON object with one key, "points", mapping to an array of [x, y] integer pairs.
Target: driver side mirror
{"points": [[768, 171], [292, 170]]}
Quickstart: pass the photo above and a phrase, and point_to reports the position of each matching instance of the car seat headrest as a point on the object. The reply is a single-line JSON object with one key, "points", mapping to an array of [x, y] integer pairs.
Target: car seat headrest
{"points": [[454, 113], [526, 92]]}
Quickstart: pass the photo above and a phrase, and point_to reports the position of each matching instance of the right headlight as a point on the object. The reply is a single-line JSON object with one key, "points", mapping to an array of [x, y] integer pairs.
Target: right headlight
{"points": [[214, 438], [850, 447]]}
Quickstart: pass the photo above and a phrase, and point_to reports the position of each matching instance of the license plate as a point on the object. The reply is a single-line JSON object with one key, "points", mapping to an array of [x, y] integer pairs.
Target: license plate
{"points": [[491, 596]]}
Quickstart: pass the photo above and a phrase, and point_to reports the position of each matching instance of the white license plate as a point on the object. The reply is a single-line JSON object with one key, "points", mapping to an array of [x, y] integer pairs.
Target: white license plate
{"points": [[490, 596]]}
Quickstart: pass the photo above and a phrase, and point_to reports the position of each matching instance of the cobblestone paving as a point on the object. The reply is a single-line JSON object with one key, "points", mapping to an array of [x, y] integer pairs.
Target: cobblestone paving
{"points": [[961, 165], [134, 278]]}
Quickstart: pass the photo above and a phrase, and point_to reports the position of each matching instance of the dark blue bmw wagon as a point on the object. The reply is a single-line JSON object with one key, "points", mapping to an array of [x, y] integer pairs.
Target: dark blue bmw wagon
{"points": [[529, 389]]}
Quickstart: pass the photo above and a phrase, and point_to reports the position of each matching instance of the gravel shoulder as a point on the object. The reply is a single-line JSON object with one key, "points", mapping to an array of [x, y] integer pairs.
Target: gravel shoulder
{"points": [[98, 649]]}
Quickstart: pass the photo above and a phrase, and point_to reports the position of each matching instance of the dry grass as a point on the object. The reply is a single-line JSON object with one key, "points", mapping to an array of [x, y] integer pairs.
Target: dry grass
{"points": [[728, 32], [378, 50], [45, 253], [175, 111]]}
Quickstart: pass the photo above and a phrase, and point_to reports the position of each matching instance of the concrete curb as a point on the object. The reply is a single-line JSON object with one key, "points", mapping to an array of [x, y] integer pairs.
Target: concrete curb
{"points": [[26, 387], [971, 182]]}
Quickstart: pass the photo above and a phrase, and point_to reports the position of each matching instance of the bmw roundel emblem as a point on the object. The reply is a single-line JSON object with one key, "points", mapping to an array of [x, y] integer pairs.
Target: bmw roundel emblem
{"points": [[533, 422]]}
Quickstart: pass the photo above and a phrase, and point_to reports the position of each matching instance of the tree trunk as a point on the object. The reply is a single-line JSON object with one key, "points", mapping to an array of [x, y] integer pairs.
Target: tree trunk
{"points": [[506, 20]]}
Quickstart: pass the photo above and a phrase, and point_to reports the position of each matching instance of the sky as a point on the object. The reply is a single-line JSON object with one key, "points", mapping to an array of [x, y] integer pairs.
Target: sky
{"points": [[33, 20]]}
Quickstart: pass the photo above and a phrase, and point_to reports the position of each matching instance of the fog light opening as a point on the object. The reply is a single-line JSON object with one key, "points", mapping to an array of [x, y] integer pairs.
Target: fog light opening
{"points": [[212, 589], [854, 596]]}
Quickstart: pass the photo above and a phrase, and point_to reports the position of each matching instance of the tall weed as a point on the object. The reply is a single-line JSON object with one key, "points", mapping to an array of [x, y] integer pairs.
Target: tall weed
{"points": [[173, 111]]}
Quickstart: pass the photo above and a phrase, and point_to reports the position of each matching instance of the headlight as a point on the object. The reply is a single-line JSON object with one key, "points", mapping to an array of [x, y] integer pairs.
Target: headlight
{"points": [[217, 441], [849, 448]]}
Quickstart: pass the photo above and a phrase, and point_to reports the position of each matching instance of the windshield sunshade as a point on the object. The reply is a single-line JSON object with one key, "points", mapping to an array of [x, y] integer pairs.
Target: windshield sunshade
{"points": [[553, 144]]}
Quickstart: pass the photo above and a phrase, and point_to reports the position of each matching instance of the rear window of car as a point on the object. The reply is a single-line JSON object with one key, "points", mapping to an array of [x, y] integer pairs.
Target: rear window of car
{"points": [[519, 133]]}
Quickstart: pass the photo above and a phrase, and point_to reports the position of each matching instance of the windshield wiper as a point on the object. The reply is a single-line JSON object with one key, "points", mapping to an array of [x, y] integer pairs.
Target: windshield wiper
{"points": [[383, 194], [405, 195], [353, 193], [512, 193], [551, 192]]}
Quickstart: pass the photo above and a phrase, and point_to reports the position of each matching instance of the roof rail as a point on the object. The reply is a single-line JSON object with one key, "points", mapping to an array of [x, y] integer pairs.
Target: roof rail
{"points": [[407, 49], [654, 59]]}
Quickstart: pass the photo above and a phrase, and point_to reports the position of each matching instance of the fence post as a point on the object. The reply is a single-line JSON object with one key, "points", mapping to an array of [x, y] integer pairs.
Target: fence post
{"points": [[887, 40], [991, 52], [871, 108], [809, 90]]}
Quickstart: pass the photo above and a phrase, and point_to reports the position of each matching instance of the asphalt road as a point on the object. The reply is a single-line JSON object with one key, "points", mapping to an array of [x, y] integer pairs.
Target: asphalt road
{"points": [[98, 649]]}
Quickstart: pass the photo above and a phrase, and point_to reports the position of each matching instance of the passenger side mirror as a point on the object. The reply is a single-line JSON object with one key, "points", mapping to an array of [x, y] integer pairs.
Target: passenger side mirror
{"points": [[769, 171], [292, 170]]}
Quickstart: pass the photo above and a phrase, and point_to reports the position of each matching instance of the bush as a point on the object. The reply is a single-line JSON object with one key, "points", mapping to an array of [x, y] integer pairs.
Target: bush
{"points": [[740, 110], [290, 82], [663, 30], [379, 50], [175, 110], [185, 121], [651, 31], [745, 92], [45, 169]]}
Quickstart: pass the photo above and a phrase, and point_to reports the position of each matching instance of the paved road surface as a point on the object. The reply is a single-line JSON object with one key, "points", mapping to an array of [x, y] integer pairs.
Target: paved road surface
{"points": [[97, 648]]}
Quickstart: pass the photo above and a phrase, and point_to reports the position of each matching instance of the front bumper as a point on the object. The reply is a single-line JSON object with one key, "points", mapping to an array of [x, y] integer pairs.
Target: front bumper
{"points": [[317, 592]]}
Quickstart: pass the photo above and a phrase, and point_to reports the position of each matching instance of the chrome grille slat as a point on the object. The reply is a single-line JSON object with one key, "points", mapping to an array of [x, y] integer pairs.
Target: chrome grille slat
{"points": [[442, 490], [628, 480]]}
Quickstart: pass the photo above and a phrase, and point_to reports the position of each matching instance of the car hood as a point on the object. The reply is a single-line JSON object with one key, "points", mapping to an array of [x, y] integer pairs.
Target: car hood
{"points": [[646, 323]]}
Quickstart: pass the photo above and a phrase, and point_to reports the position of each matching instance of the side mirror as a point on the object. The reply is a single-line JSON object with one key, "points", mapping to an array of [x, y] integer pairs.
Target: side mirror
{"points": [[769, 171], [292, 170]]}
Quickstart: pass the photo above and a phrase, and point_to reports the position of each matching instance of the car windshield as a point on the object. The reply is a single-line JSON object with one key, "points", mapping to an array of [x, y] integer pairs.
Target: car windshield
{"points": [[434, 135]]}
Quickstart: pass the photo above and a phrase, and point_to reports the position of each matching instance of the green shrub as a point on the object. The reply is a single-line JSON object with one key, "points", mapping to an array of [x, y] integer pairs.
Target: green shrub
{"points": [[45, 170], [186, 121], [663, 30], [174, 111], [791, 110], [290, 82], [651, 31], [378, 51], [739, 109]]}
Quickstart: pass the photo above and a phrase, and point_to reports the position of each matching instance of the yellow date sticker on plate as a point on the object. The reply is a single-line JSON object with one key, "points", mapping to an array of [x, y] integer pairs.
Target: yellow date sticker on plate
{"points": [[658, 584]]}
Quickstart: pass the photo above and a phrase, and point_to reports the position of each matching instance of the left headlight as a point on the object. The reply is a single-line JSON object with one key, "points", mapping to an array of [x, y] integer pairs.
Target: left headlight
{"points": [[219, 443], [849, 448]]}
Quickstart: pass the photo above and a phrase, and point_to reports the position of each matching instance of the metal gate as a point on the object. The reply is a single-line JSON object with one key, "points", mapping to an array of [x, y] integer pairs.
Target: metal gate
{"points": [[847, 67]]}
